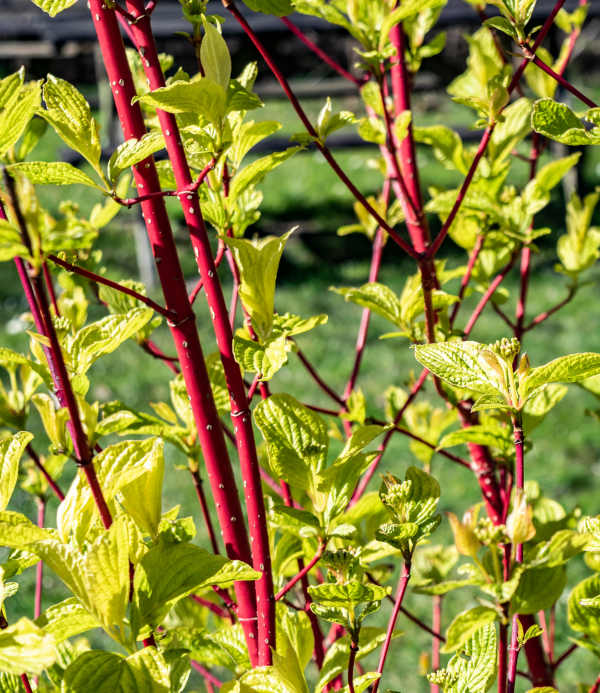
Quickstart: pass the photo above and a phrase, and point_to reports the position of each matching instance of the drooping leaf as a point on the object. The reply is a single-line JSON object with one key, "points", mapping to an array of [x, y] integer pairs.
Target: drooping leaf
{"points": [[66, 619], [465, 625], [11, 450], [565, 369], [25, 648], [55, 173], [132, 152], [17, 113]]}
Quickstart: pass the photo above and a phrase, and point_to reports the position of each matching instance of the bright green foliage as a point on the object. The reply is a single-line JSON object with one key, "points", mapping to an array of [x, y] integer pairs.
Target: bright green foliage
{"points": [[25, 648], [558, 122], [11, 450]]}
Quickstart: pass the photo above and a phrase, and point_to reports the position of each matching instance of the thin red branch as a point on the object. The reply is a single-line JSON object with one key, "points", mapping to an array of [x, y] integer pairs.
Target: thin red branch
{"points": [[50, 288], [351, 662], [39, 569], [155, 351], [498, 279], [211, 606], [210, 678], [218, 258], [435, 644], [400, 592], [320, 382], [307, 568], [324, 57], [99, 279], [39, 464], [467, 276], [567, 653], [546, 314], [564, 83], [205, 512]]}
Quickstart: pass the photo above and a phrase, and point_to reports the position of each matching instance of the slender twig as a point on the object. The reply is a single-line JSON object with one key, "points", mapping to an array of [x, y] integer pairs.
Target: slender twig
{"points": [[351, 662], [498, 279], [318, 380], [364, 482], [183, 191], [218, 258], [546, 314], [567, 653], [39, 570], [467, 276], [400, 592], [229, 5], [435, 644], [204, 507], [564, 83], [99, 279], [596, 687], [40, 465], [151, 348], [211, 606], [307, 568], [496, 308], [50, 287], [210, 678], [324, 56]]}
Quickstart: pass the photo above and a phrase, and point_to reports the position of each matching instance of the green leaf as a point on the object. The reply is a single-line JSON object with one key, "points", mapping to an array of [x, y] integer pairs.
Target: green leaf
{"points": [[265, 359], [11, 450], [475, 666], [565, 369], [104, 336], [248, 135], [585, 618], [297, 440], [25, 648], [342, 594], [461, 364], [18, 111], [150, 670], [55, 173], [204, 97], [11, 244], [169, 572], [132, 152], [258, 262], [53, 7], [17, 531], [501, 24], [376, 297], [539, 588], [69, 114], [66, 619], [254, 173], [492, 436], [558, 122], [537, 406], [214, 56], [10, 85], [465, 625], [447, 145], [116, 466], [279, 8]]}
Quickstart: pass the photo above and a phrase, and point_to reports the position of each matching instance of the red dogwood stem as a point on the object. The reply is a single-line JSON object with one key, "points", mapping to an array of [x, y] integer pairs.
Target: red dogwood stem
{"points": [[240, 412], [183, 328]]}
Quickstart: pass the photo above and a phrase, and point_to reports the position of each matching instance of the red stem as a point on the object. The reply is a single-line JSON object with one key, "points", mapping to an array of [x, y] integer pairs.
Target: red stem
{"points": [[307, 568], [561, 80], [113, 285], [205, 512], [320, 382], [351, 662], [200, 284], [210, 678], [400, 592], [211, 606], [183, 330], [363, 329], [26, 684], [546, 314], [364, 482], [51, 483], [498, 279], [324, 57], [170, 361], [39, 569], [435, 644], [596, 687], [567, 653], [50, 287], [502, 658], [311, 130], [467, 276]]}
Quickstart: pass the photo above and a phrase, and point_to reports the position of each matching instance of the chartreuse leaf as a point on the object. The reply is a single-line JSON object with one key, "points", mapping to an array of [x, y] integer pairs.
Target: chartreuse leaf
{"points": [[11, 244], [17, 531], [297, 439], [54, 173], [132, 152], [116, 466], [214, 56], [66, 619], [99, 578], [11, 450], [280, 8], [376, 297], [253, 173], [10, 85], [584, 618], [203, 96], [474, 669], [446, 144], [25, 648], [53, 7], [142, 497], [538, 589], [558, 122], [461, 364], [145, 671], [169, 572], [565, 369], [18, 110], [248, 135], [258, 262], [465, 625], [104, 336], [69, 114], [578, 248]]}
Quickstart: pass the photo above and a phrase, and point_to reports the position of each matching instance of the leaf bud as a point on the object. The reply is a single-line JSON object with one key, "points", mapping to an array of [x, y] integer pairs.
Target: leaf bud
{"points": [[519, 524], [466, 542]]}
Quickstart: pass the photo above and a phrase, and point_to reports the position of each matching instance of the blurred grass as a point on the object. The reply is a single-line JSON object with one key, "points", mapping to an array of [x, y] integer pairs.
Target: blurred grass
{"points": [[566, 448]]}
